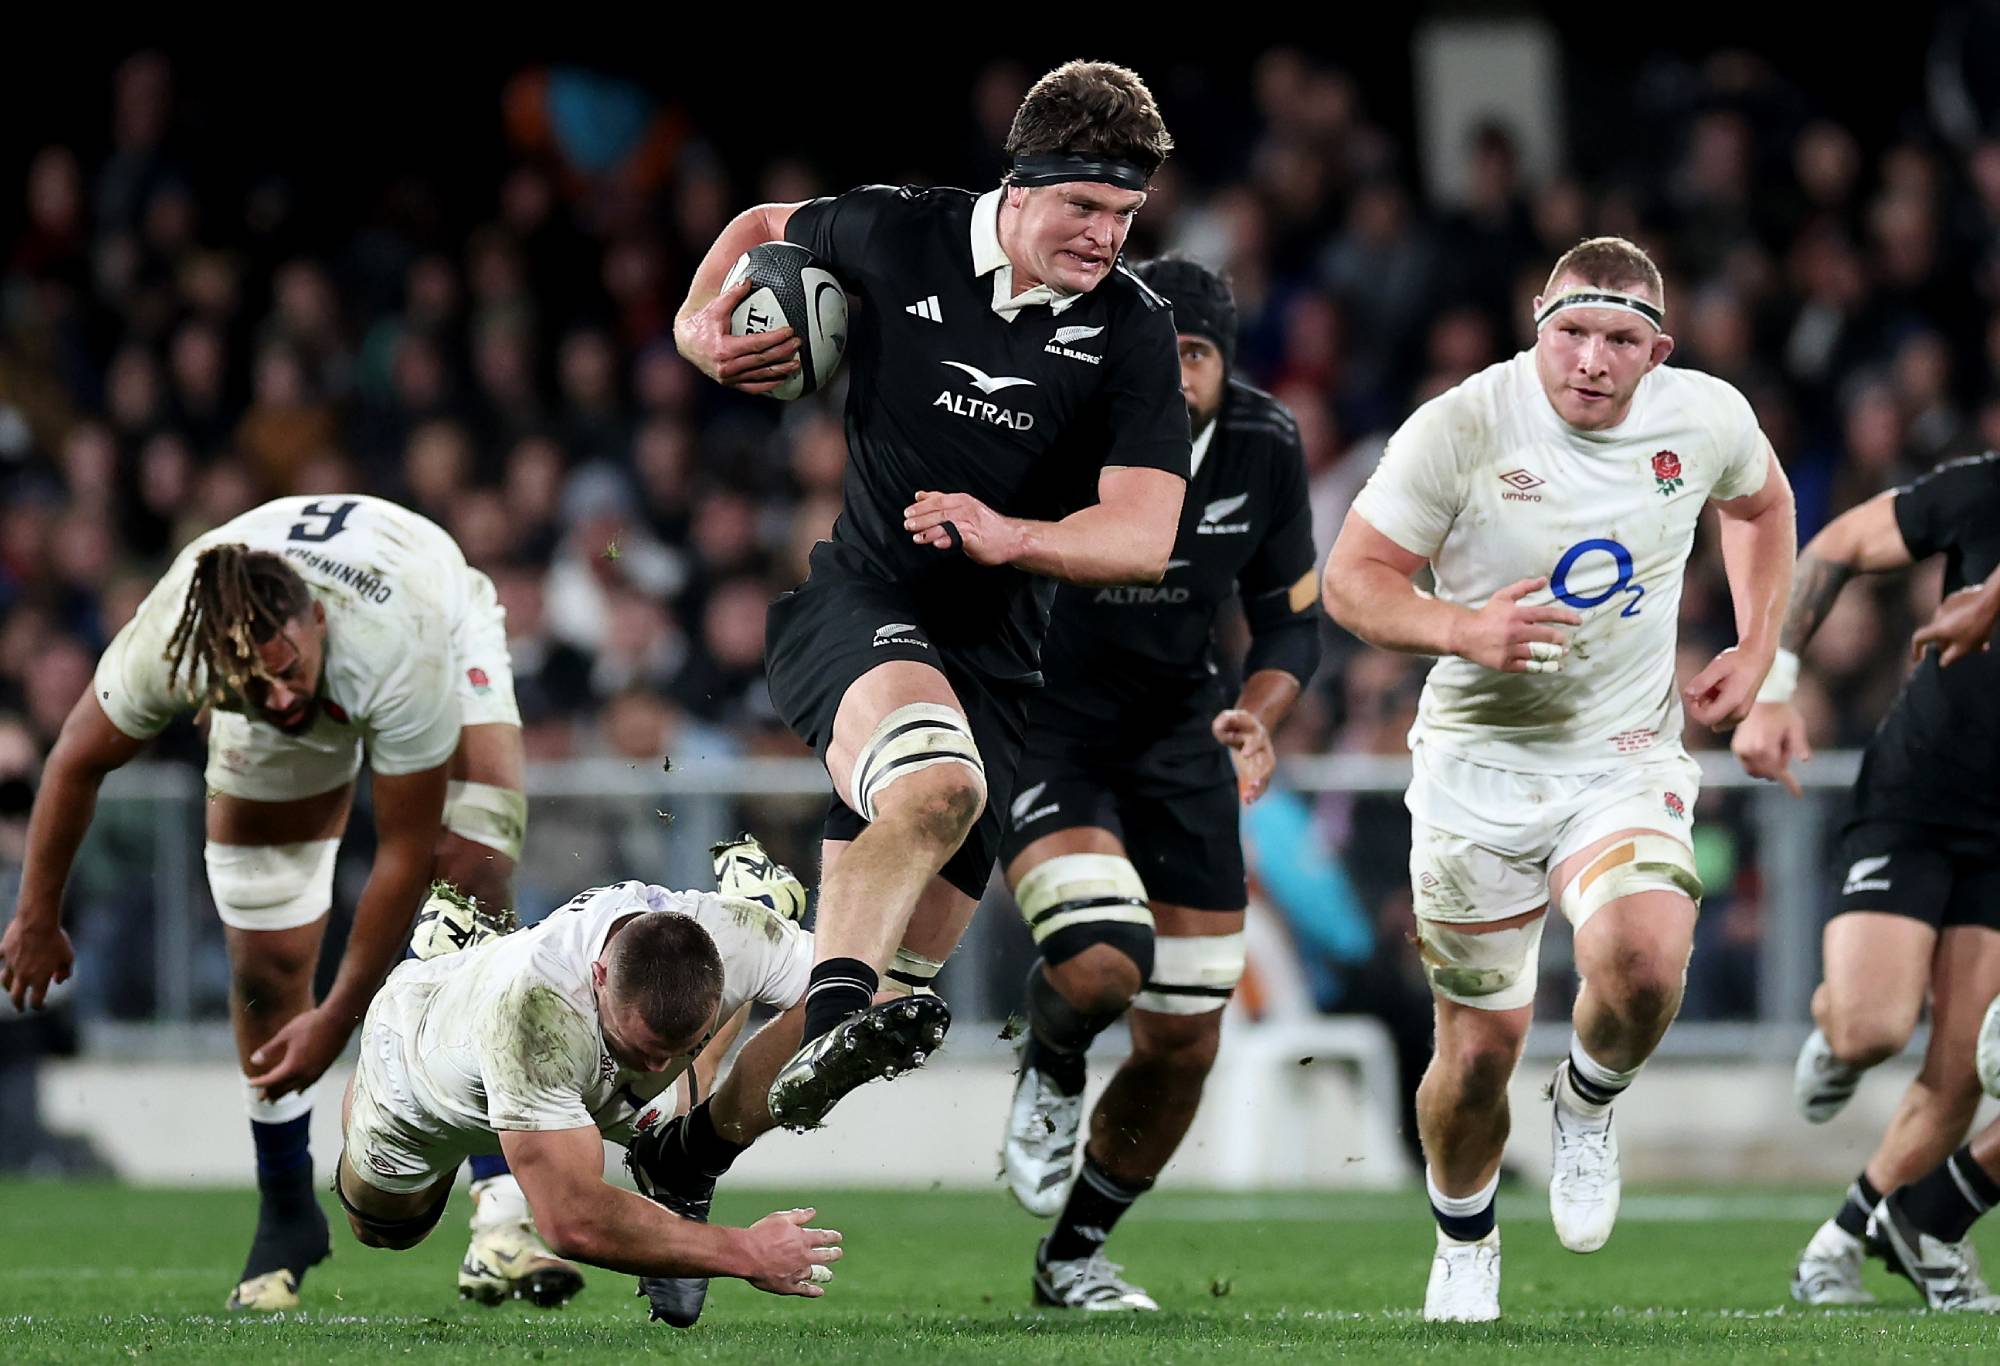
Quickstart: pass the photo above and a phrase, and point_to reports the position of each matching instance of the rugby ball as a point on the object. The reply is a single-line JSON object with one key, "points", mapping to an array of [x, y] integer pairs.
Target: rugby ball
{"points": [[791, 290]]}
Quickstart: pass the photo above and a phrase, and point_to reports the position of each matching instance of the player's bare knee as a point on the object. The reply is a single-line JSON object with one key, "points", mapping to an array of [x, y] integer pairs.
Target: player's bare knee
{"points": [[1649, 991], [947, 813], [1100, 980], [1865, 1038]]}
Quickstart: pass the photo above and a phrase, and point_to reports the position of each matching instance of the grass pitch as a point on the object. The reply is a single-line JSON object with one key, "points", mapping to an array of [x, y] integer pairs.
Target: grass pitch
{"points": [[98, 1273]]}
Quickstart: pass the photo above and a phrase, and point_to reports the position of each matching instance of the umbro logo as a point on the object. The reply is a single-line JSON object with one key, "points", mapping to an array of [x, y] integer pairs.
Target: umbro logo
{"points": [[1518, 483], [897, 633], [927, 309], [1065, 337], [1861, 877], [1212, 523]]}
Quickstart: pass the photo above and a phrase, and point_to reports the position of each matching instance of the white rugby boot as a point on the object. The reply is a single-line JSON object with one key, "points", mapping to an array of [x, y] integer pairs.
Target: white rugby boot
{"points": [[450, 921], [1465, 1280], [1038, 1154], [1821, 1083], [1583, 1178], [507, 1259], [1947, 1275], [1088, 1283], [743, 868], [1986, 1058], [1829, 1270]]}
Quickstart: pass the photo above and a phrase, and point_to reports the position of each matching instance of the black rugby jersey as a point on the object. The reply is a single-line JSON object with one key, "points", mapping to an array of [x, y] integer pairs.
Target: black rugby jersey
{"points": [[1935, 759], [1140, 662], [947, 395]]}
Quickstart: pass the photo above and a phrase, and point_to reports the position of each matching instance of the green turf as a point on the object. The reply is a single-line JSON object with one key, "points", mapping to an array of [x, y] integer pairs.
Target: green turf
{"points": [[94, 1273]]}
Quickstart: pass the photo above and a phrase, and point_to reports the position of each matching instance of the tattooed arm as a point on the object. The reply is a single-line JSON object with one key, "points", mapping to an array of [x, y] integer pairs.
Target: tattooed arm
{"points": [[1862, 540]]}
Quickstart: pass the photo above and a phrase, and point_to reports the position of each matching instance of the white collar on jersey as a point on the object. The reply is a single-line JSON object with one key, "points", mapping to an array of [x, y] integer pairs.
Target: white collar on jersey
{"points": [[1201, 446], [990, 258]]}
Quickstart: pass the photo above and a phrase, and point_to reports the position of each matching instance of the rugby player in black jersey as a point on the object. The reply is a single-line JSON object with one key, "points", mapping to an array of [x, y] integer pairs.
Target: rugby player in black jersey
{"points": [[1013, 419], [1919, 912], [1122, 844]]}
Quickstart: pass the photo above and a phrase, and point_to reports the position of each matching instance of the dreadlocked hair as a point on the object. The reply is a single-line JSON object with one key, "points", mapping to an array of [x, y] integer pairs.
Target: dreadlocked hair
{"points": [[238, 599]]}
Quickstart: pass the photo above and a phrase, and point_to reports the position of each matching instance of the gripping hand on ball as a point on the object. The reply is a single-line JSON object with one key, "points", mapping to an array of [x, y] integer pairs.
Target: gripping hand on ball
{"points": [[958, 521], [756, 363]]}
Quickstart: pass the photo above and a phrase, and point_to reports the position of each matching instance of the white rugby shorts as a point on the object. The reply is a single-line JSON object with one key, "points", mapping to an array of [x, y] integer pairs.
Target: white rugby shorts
{"points": [[1483, 840]]}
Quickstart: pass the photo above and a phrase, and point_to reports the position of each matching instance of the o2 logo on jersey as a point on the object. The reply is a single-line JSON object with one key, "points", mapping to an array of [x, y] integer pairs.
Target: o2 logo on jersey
{"points": [[1621, 559]]}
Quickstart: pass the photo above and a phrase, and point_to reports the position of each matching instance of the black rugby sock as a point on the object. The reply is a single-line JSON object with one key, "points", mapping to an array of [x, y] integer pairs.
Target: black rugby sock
{"points": [[291, 1227], [837, 988], [1946, 1201], [1059, 1035], [1096, 1203], [703, 1145], [1862, 1198]]}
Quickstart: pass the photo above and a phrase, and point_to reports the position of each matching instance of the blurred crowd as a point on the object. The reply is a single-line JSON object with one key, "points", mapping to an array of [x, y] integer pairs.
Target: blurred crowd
{"points": [[179, 345]]}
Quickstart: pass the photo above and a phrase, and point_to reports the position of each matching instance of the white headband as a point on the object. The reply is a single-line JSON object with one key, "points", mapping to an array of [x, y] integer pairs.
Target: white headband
{"points": [[1603, 298]]}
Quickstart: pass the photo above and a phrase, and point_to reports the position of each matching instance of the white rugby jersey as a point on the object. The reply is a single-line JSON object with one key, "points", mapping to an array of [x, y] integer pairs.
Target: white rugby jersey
{"points": [[394, 585], [507, 1036], [1491, 486]]}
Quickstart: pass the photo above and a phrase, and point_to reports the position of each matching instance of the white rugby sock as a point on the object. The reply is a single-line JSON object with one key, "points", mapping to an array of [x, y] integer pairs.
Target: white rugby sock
{"points": [[1465, 1218], [498, 1200], [1590, 1086]]}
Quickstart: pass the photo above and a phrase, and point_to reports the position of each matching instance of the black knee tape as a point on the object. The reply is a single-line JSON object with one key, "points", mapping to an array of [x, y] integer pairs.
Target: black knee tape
{"points": [[413, 1229], [1134, 941], [1056, 1023]]}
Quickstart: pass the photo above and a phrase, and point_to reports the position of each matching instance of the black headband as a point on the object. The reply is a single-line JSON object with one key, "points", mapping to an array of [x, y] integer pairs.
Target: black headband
{"points": [[1056, 168], [1604, 298]]}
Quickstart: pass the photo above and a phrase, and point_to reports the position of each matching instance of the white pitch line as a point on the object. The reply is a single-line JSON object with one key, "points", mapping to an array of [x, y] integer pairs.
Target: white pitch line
{"points": [[1645, 1209]]}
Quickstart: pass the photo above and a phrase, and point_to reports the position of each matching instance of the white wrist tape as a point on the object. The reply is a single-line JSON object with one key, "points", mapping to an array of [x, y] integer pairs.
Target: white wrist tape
{"points": [[1783, 680]]}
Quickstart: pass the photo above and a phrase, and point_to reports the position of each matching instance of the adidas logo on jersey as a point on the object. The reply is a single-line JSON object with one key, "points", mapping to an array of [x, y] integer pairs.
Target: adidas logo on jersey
{"points": [[1518, 483], [927, 309], [1211, 523], [895, 634], [1059, 345], [1861, 877]]}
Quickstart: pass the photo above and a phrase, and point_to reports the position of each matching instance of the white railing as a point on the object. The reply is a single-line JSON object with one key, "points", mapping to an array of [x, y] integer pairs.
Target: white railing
{"points": [[1792, 837]]}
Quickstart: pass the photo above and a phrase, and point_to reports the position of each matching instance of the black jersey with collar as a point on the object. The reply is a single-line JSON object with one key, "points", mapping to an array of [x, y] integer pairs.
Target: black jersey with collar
{"points": [[947, 396], [1139, 663], [1935, 759]]}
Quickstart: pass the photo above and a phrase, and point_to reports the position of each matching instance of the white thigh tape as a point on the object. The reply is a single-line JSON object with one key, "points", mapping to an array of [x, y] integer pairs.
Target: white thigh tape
{"points": [[1644, 863], [1075, 889], [910, 738], [496, 817], [1490, 971], [1193, 974], [271, 886]]}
